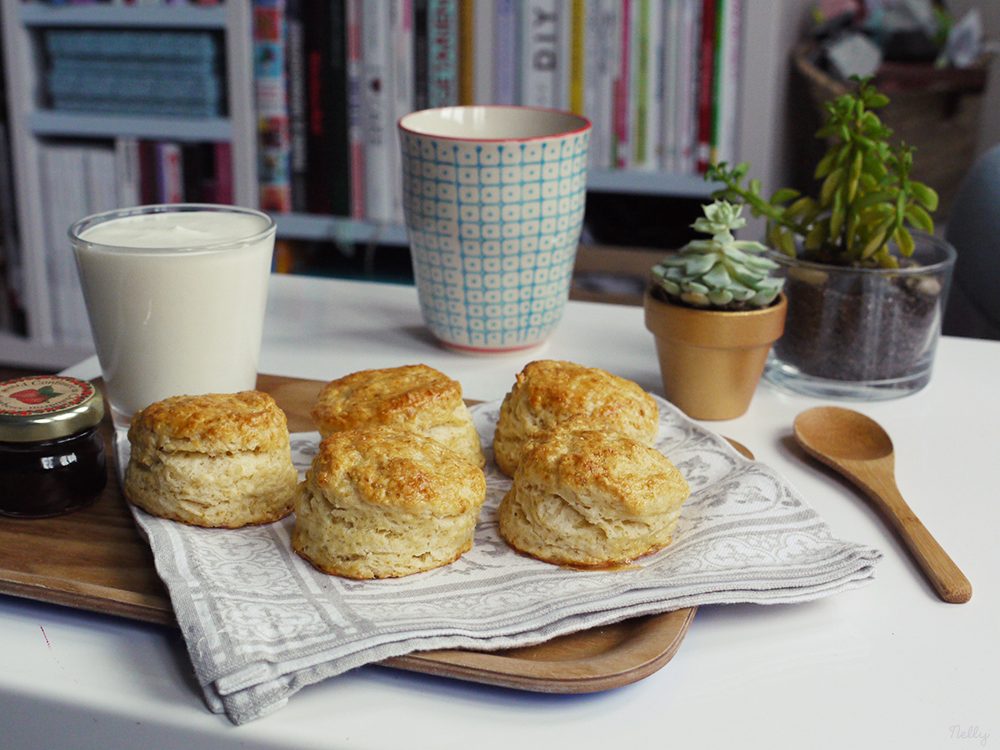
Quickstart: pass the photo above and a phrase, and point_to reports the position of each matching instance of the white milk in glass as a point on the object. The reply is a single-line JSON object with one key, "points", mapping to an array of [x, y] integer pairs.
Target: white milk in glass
{"points": [[176, 301]]}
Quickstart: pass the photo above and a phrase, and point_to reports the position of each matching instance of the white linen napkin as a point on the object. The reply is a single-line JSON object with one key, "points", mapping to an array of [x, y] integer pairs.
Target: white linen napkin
{"points": [[260, 623]]}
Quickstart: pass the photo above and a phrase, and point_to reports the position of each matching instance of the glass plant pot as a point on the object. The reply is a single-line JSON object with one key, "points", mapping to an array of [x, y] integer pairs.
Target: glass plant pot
{"points": [[862, 333]]}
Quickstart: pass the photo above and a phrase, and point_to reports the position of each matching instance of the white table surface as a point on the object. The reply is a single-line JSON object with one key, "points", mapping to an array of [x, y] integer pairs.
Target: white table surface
{"points": [[886, 666]]}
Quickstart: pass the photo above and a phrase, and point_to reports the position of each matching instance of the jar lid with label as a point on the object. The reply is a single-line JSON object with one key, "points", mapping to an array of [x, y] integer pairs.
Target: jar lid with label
{"points": [[51, 451], [47, 407]]}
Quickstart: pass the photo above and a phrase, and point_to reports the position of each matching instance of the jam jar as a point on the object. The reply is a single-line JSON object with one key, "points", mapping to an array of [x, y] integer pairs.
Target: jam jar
{"points": [[51, 450]]}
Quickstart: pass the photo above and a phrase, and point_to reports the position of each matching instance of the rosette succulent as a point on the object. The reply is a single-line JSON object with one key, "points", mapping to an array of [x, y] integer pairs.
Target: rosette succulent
{"points": [[721, 273]]}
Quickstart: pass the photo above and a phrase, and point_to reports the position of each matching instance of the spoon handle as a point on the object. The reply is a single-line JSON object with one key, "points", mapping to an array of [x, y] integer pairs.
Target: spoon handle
{"points": [[944, 575]]}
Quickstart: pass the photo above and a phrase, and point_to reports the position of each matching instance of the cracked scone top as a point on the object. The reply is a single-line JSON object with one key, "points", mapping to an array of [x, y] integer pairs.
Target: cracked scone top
{"points": [[216, 460], [590, 498], [379, 502], [414, 398], [549, 393]]}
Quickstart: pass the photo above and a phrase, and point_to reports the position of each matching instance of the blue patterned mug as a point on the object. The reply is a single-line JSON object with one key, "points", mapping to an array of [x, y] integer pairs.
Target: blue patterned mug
{"points": [[494, 199]]}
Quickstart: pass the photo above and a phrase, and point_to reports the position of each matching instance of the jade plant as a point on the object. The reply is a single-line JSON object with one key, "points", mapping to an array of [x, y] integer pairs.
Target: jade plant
{"points": [[867, 202], [721, 273]]}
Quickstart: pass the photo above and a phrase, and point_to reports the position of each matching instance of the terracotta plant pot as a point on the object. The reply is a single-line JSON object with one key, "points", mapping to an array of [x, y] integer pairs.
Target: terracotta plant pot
{"points": [[711, 361]]}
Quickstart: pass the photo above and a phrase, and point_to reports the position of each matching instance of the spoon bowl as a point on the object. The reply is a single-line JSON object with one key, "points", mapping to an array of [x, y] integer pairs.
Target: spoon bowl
{"points": [[842, 433], [856, 446]]}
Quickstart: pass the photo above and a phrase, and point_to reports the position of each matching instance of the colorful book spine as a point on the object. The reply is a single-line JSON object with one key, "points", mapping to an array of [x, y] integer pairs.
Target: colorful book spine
{"points": [[645, 93], [442, 53], [421, 54], [545, 54], [169, 173], [403, 95], [355, 136], [483, 51], [706, 81], [298, 126], [466, 61], [274, 147], [577, 55], [507, 57], [622, 126], [669, 75], [224, 190], [687, 98], [376, 109]]}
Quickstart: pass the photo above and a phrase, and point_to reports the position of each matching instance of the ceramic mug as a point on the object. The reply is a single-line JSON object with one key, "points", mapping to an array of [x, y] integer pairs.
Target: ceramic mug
{"points": [[494, 199]]}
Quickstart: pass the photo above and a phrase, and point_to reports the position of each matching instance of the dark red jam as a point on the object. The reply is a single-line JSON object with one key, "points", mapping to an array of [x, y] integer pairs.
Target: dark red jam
{"points": [[51, 477], [51, 451]]}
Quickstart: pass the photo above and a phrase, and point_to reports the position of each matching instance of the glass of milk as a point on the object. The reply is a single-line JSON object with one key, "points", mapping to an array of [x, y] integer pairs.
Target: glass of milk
{"points": [[176, 297]]}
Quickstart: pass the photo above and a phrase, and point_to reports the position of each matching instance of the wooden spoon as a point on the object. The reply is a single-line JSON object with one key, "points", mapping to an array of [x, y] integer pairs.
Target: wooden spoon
{"points": [[858, 447]]}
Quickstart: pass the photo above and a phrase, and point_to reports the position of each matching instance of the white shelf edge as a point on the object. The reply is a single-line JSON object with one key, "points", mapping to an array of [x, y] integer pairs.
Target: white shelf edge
{"points": [[179, 16], [82, 124], [650, 182]]}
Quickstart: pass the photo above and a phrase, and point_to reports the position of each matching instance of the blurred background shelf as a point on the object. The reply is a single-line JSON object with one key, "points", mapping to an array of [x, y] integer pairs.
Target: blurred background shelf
{"points": [[84, 125]]}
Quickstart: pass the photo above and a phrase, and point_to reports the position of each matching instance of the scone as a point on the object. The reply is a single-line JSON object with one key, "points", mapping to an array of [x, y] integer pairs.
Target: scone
{"points": [[416, 398], [381, 503], [548, 393], [218, 460], [591, 499]]}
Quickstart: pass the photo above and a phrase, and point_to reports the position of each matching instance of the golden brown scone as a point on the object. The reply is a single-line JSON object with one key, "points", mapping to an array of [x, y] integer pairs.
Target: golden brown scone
{"points": [[381, 503], [548, 393], [415, 398], [591, 499], [218, 460]]}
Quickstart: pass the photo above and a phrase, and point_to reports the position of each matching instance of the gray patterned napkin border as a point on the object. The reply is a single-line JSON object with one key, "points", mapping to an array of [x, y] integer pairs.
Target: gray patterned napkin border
{"points": [[260, 623]]}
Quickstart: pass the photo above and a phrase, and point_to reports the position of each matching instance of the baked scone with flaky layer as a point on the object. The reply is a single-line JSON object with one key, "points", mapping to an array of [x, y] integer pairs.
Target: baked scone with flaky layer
{"points": [[548, 393], [379, 502], [415, 398], [591, 499], [218, 460]]}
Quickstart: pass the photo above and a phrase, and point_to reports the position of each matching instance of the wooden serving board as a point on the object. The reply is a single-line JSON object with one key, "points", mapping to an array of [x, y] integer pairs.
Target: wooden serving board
{"points": [[95, 559]]}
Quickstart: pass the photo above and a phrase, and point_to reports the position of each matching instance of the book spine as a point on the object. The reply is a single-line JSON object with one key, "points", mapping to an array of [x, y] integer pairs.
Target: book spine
{"points": [[169, 177], [620, 143], [355, 136], [483, 51], [224, 191], [466, 52], [321, 42], [687, 116], [669, 74], [722, 8], [731, 82], [544, 57], [507, 57], [147, 172], [127, 175], [403, 95], [577, 56], [376, 85], [274, 149], [442, 53], [706, 75], [646, 91], [295, 74], [421, 54]]}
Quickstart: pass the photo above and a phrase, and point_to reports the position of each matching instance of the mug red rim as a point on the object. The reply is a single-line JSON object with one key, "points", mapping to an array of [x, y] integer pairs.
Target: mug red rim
{"points": [[587, 125]]}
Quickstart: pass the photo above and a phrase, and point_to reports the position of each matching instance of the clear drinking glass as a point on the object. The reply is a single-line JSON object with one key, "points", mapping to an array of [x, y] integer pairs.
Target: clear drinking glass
{"points": [[176, 296]]}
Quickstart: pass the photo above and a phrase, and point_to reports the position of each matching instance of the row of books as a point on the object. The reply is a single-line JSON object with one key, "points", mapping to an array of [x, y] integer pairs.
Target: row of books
{"points": [[659, 79], [81, 178], [167, 73]]}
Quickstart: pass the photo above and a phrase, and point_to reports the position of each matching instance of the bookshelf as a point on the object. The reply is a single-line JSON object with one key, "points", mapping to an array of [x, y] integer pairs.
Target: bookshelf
{"points": [[31, 126], [768, 31]]}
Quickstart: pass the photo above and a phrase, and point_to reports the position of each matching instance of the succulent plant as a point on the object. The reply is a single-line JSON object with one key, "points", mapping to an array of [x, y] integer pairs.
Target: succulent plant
{"points": [[722, 273], [866, 202]]}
